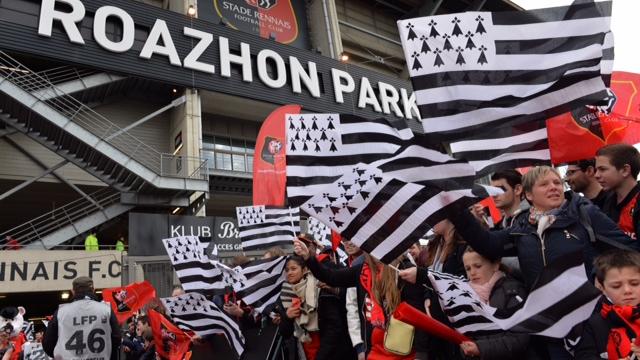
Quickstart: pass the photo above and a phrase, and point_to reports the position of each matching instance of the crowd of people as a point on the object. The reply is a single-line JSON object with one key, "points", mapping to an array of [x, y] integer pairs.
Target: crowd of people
{"points": [[328, 310]]}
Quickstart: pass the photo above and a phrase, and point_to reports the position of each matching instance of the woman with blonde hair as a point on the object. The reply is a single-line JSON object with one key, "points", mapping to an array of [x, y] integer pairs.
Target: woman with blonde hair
{"points": [[557, 224], [379, 293]]}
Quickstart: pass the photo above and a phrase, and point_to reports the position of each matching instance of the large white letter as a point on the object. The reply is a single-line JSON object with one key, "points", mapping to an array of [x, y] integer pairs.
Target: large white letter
{"points": [[226, 58], [151, 46], [191, 61], [367, 95], [389, 98], [338, 87], [68, 20], [281, 71], [409, 105], [310, 79], [100, 31]]}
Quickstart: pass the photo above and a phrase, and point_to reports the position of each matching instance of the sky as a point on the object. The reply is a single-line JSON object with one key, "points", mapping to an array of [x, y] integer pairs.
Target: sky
{"points": [[625, 23]]}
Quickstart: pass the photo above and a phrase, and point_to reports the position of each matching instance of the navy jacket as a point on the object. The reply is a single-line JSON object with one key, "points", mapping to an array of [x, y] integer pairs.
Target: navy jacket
{"points": [[564, 236]]}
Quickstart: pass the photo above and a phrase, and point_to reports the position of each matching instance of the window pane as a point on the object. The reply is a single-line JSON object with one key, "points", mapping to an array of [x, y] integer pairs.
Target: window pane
{"points": [[209, 156], [223, 161], [249, 163], [237, 145], [251, 145], [223, 143], [238, 163]]}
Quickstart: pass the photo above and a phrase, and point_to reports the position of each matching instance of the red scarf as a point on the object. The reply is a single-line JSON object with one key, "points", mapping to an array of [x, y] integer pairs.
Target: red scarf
{"points": [[625, 325], [376, 317]]}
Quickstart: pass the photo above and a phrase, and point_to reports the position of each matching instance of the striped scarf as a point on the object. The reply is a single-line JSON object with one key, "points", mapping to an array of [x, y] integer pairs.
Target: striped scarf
{"points": [[307, 291]]}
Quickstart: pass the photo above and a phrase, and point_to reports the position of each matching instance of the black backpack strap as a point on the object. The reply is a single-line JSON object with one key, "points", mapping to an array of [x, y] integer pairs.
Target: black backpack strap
{"points": [[585, 220]]}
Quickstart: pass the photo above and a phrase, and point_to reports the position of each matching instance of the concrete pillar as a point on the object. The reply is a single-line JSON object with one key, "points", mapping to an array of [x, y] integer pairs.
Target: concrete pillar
{"points": [[186, 128], [324, 28]]}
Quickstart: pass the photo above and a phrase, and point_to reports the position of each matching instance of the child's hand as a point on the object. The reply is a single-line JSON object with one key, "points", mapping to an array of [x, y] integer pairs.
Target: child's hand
{"points": [[469, 348]]}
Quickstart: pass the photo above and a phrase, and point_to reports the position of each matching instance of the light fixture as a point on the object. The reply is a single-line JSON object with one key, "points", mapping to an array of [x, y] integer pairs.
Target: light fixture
{"points": [[174, 90], [175, 210], [65, 295], [344, 57], [191, 11], [177, 150]]}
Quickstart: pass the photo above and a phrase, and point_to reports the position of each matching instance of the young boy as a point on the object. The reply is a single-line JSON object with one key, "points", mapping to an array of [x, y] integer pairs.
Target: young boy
{"points": [[609, 334], [617, 168]]}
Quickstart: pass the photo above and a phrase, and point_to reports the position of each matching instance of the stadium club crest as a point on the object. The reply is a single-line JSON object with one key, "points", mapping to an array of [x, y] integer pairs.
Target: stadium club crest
{"points": [[271, 148], [271, 19]]}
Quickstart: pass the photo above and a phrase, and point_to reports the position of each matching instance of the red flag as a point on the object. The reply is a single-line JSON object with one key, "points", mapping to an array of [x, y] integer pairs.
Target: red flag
{"points": [[125, 301], [495, 213], [412, 316], [171, 343], [269, 162], [579, 134], [335, 240], [625, 85]]}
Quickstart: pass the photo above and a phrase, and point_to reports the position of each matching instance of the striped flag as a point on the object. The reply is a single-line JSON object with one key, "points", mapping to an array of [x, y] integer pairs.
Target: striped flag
{"points": [[562, 298], [381, 214], [263, 226], [259, 282], [322, 233], [195, 313], [478, 72], [321, 147], [193, 267]]}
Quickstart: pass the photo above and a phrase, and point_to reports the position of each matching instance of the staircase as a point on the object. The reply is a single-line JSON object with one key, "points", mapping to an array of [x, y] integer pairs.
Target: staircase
{"points": [[45, 113], [39, 106], [66, 222]]}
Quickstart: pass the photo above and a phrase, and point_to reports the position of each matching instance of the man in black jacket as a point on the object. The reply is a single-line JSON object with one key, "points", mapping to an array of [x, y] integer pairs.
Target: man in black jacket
{"points": [[83, 329]]}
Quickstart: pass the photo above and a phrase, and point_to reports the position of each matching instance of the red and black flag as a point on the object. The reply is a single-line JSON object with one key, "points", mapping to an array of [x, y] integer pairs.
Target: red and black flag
{"points": [[125, 301], [171, 343]]}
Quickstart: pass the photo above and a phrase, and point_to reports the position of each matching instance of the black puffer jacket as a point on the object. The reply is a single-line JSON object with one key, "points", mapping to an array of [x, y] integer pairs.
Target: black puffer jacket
{"points": [[507, 293], [593, 342], [564, 236]]}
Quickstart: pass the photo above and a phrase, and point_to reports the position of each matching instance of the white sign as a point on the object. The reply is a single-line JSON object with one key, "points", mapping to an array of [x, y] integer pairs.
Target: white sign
{"points": [[386, 99], [50, 270]]}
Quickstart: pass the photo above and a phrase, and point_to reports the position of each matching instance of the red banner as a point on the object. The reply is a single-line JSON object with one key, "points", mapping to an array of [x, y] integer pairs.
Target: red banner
{"points": [[269, 162], [171, 343], [412, 316], [125, 301], [579, 134], [626, 86]]}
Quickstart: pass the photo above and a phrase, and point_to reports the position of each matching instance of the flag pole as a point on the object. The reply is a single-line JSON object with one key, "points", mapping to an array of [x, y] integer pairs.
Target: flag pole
{"points": [[292, 225]]}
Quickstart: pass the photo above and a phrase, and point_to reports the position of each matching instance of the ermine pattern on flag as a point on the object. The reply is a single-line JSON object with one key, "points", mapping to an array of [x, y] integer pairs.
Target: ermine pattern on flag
{"points": [[562, 298], [321, 147], [381, 214], [473, 69], [322, 233], [193, 267], [487, 81], [194, 312], [261, 227]]}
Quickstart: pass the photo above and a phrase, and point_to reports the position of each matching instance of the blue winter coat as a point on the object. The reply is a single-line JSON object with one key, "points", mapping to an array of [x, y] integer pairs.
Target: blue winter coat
{"points": [[566, 235]]}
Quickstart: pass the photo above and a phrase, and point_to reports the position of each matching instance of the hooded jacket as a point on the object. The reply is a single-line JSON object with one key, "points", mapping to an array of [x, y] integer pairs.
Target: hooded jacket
{"points": [[565, 235]]}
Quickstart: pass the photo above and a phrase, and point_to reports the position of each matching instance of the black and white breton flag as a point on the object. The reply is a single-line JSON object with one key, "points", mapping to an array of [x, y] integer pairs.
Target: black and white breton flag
{"points": [[562, 298], [261, 226], [258, 283], [475, 72], [194, 312], [322, 233], [322, 147], [197, 273], [381, 214]]}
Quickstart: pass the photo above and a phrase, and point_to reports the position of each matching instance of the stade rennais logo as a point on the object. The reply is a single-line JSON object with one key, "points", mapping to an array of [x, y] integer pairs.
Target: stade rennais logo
{"points": [[273, 19]]}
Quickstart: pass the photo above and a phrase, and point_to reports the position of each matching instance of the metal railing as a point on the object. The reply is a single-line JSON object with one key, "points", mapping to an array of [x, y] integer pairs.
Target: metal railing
{"points": [[44, 90], [58, 218], [64, 74]]}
